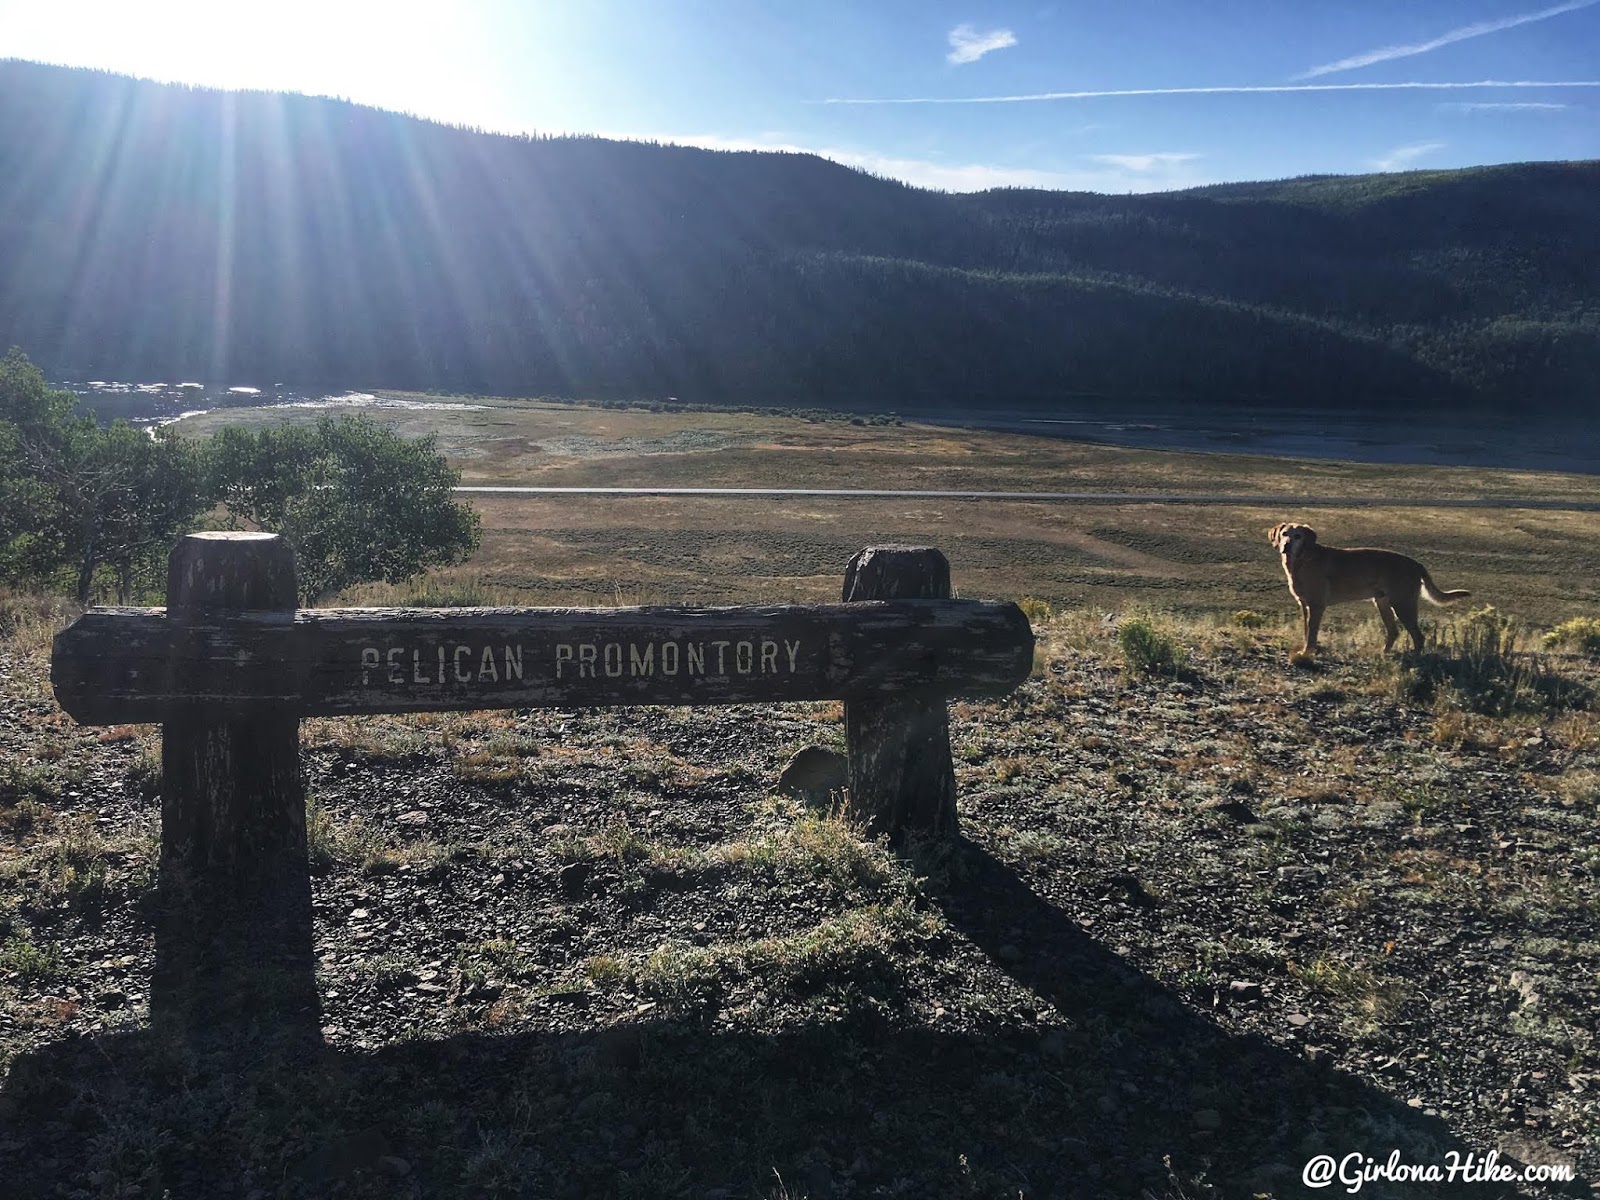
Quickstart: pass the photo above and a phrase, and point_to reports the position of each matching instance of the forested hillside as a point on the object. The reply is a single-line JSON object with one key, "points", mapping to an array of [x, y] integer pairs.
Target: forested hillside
{"points": [[156, 232]]}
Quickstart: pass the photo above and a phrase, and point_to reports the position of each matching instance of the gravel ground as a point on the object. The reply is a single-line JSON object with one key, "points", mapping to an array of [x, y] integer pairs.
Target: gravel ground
{"points": [[1198, 931]]}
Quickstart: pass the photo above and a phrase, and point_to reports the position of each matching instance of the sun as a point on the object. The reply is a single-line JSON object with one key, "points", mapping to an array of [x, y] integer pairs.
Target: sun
{"points": [[403, 55]]}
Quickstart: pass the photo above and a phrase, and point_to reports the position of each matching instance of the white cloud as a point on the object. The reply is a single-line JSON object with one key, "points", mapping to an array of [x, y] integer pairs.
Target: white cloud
{"points": [[1401, 157], [1230, 90], [1498, 106], [1460, 34], [968, 45], [1144, 163], [1164, 172]]}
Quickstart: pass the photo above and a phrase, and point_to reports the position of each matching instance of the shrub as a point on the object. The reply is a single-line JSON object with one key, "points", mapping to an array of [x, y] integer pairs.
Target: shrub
{"points": [[1246, 618], [1581, 634], [1035, 610], [1476, 663], [1146, 650]]}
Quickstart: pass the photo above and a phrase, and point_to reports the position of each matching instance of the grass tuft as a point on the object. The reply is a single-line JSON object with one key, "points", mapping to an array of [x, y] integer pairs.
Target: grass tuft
{"points": [[1147, 650], [1037, 611], [20, 783], [1581, 634], [30, 963], [859, 952]]}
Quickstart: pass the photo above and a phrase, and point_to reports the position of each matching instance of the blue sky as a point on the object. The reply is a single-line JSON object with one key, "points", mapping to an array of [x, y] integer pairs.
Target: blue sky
{"points": [[950, 95]]}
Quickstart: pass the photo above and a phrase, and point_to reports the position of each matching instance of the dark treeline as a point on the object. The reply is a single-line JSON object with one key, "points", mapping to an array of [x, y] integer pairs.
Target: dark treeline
{"points": [[156, 232]]}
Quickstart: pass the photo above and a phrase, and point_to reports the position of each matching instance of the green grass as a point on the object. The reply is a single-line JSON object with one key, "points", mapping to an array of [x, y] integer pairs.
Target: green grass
{"points": [[25, 783], [1147, 650], [29, 962], [861, 951]]}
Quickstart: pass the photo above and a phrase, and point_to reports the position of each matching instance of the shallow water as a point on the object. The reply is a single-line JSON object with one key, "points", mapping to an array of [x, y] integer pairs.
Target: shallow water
{"points": [[151, 404], [1434, 439]]}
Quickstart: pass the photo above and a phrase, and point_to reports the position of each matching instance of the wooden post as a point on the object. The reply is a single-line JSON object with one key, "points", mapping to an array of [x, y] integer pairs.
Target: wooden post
{"points": [[235, 929], [902, 781]]}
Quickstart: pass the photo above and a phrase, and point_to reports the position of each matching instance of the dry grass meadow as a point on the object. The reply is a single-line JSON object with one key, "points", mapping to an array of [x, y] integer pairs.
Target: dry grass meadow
{"points": [[1540, 564]]}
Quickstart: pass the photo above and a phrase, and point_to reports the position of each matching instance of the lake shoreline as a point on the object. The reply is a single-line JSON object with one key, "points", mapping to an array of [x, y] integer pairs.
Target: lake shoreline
{"points": [[1348, 435]]}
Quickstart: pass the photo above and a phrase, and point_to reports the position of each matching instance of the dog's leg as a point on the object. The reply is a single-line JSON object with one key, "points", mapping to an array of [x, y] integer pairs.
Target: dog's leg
{"points": [[1406, 610], [1390, 625], [1313, 622]]}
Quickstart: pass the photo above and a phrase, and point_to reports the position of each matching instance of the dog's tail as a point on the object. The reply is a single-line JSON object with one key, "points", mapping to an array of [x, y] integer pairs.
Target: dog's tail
{"points": [[1435, 596]]}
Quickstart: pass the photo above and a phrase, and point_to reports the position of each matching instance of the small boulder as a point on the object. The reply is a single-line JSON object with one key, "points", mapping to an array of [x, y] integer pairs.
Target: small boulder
{"points": [[813, 774], [1242, 991], [574, 877]]}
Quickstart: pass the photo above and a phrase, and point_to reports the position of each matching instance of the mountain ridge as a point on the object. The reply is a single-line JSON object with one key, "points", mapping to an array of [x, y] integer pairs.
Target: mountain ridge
{"points": [[159, 230]]}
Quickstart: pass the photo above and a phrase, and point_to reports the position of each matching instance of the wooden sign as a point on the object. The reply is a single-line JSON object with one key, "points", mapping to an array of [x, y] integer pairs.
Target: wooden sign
{"points": [[121, 665], [230, 666]]}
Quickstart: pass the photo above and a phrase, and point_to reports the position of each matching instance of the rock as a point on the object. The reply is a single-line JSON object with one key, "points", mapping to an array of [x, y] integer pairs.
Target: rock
{"points": [[813, 774], [1297, 876], [1298, 1020], [1242, 991], [1126, 887], [1208, 1118], [1522, 983], [1235, 810], [573, 877], [415, 817], [1525, 1148]]}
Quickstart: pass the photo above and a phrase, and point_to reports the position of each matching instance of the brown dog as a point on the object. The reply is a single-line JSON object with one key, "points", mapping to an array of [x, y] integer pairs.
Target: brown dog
{"points": [[1322, 575]]}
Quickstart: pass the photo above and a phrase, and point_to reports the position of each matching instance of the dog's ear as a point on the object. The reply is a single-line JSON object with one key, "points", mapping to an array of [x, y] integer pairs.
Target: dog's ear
{"points": [[1309, 534]]}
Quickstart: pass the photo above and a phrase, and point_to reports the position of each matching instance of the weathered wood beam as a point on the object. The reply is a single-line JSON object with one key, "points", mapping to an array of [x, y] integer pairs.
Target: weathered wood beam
{"points": [[122, 665]]}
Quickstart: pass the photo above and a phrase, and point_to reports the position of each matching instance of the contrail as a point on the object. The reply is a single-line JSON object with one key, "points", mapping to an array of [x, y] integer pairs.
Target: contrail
{"points": [[1479, 29], [1230, 90]]}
